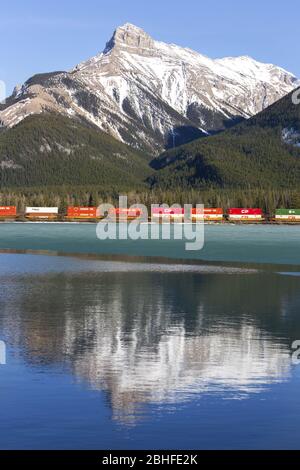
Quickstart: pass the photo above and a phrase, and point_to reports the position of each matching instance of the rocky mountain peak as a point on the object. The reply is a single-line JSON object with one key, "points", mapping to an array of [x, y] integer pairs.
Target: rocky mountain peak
{"points": [[150, 94], [131, 36]]}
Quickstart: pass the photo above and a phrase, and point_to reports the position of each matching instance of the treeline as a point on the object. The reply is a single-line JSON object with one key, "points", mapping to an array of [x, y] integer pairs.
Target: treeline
{"points": [[62, 197]]}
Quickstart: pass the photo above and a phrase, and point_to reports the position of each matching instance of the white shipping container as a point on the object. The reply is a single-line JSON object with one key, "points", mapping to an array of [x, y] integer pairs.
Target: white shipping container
{"points": [[245, 217], [168, 216], [41, 210], [287, 217], [207, 216]]}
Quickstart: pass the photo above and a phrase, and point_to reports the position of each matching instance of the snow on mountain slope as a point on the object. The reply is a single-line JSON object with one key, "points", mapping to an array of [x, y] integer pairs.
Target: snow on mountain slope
{"points": [[153, 95]]}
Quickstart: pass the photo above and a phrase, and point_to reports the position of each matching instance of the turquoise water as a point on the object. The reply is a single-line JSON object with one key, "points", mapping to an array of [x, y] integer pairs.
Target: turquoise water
{"points": [[115, 353], [228, 243]]}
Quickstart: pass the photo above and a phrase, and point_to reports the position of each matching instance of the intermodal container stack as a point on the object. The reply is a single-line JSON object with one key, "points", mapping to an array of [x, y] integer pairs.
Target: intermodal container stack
{"points": [[8, 212], [82, 213], [41, 213], [287, 215], [125, 214], [167, 214], [245, 215], [207, 214]]}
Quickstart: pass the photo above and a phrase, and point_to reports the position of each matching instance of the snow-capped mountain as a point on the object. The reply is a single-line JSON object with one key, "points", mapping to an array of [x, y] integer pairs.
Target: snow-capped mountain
{"points": [[152, 95]]}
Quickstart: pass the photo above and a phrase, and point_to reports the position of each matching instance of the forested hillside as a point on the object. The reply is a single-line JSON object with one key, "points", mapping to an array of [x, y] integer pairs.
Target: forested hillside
{"points": [[52, 150], [263, 152]]}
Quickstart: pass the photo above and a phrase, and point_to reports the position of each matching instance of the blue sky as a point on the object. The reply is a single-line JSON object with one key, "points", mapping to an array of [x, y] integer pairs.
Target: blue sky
{"points": [[48, 35]]}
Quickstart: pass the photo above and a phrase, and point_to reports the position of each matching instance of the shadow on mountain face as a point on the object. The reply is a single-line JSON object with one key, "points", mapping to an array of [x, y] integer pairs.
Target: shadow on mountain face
{"points": [[183, 135]]}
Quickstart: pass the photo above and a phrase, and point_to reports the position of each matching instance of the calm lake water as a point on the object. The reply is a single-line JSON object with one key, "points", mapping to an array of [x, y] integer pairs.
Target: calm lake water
{"points": [[113, 354]]}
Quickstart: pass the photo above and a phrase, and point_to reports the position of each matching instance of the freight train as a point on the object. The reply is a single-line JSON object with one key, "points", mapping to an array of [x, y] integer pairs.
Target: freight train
{"points": [[158, 214]]}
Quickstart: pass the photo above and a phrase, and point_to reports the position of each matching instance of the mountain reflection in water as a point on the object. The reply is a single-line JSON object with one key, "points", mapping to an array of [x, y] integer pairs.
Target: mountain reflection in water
{"points": [[147, 336]]}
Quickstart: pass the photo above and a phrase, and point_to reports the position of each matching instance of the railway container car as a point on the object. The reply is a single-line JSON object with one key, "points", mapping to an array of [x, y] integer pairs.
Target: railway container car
{"points": [[8, 212], [82, 213], [125, 214], [41, 213], [167, 214], [287, 215], [245, 215], [208, 214]]}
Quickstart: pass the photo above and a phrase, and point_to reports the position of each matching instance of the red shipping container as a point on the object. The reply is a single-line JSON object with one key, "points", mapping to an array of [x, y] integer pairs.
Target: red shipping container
{"points": [[8, 211], [131, 213], [208, 211], [167, 211], [88, 212], [245, 212]]}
